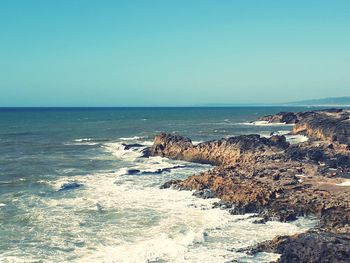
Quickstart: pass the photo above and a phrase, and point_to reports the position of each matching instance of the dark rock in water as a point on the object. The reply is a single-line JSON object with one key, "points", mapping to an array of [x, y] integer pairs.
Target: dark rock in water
{"points": [[205, 194], [259, 221], [162, 170], [132, 145], [282, 117], [133, 171], [169, 184], [309, 247], [157, 171], [146, 153], [222, 205], [69, 186]]}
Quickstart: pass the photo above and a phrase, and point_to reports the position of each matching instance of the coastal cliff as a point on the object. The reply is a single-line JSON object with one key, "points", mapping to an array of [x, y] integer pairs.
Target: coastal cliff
{"points": [[277, 180]]}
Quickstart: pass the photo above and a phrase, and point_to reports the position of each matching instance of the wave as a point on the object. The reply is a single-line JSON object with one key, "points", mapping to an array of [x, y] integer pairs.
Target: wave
{"points": [[196, 142], [84, 140], [291, 138], [131, 138], [264, 123], [116, 218], [119, 218], [119, 150]]}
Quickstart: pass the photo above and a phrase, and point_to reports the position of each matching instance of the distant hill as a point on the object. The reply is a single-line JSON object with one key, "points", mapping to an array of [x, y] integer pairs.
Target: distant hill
{"points": [[339, 101]]}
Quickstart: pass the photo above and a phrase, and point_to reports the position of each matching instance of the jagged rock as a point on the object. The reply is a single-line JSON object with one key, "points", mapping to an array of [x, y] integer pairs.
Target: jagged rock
{"points": [[279, 181], [282, 117], [169, 184], [131, 145], [220, 152], [332, 125], [309, 247], [205, 194]]}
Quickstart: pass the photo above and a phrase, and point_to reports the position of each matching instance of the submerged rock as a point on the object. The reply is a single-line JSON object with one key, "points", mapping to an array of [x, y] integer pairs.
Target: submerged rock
{"points": [[69, 186], [132, 145]]}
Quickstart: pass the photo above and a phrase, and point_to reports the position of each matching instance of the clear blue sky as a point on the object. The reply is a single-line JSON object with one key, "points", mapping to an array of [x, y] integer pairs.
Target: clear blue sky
{"points": [[161, 53]]}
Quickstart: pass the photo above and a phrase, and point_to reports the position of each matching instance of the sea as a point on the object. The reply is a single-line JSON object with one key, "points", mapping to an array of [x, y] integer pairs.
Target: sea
{"points": [[72, 191]]}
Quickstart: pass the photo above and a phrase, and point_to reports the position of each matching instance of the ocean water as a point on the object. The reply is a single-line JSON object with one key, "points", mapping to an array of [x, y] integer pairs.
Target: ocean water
{"points": [[70, 191]]}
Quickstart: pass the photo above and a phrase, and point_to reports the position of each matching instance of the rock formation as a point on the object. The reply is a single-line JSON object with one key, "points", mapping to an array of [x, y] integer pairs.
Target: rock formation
{"points": [[330, 125], [277, 180]]}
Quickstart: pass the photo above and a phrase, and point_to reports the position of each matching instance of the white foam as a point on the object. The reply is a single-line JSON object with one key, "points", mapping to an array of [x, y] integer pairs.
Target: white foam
{"points": [[265, 123], [283, 132], [153, 224], [83, 140], [147, 143], [196, 142], [116, 218], [130, 138], [345, 183], [295, 139], [119, 151], [2, 204]]}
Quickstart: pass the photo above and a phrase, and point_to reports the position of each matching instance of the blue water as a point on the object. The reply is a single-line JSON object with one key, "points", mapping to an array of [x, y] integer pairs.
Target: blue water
{"points": [[109, 215]]}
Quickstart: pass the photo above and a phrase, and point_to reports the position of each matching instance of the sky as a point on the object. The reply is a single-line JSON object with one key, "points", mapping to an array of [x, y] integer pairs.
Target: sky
{"points": [[172, 52]]}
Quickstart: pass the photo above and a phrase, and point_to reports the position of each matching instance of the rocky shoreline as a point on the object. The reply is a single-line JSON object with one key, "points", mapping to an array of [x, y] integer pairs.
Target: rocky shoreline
{"points": [[279, 181]]}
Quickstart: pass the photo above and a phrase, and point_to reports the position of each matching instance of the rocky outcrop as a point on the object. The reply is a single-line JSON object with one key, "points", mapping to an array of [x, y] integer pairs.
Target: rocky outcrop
{"points": [[242, 148], [332, 125], [277, 180], [281, 117], [326, 126], [309, 247]]}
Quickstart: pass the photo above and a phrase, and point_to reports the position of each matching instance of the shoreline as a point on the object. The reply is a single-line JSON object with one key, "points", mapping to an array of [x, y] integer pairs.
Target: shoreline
{"points": [[279, 180]]}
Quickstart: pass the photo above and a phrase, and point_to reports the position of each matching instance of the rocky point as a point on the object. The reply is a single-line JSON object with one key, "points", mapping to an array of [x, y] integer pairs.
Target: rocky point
{"points": [[276, 180]]}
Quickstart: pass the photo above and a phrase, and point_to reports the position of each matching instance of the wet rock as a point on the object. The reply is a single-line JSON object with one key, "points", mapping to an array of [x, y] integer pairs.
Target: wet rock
{"points": [[259, 221], [132, 145], [205, 194], [145, 153], [169, 184], [282, 117], [309, 247], [69, 186], [133, 171]]}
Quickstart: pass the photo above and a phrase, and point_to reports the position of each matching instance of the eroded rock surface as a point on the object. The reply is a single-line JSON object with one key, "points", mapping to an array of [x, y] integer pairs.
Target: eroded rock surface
{"points": [[332, 125], [242, 149]]}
